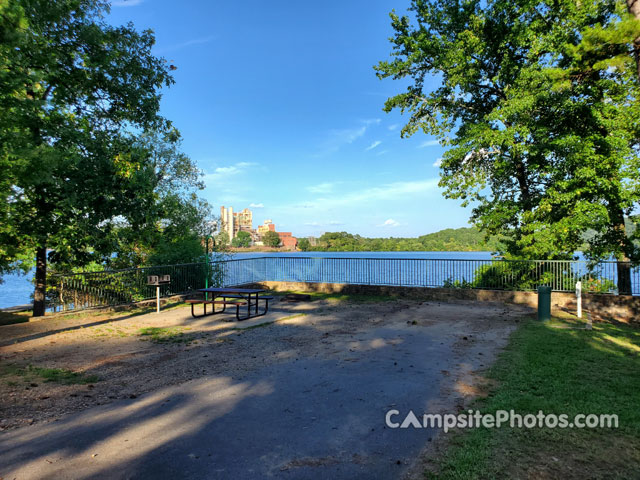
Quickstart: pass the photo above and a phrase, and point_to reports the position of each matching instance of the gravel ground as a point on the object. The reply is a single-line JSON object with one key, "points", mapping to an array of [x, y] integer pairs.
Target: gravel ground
{"points": [[128, 364]]}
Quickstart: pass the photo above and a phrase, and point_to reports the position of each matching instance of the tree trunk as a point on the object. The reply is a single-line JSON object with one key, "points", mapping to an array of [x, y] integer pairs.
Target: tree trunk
{"points": [[633, 7], [623, 264], [624, 277], [39, 304]]}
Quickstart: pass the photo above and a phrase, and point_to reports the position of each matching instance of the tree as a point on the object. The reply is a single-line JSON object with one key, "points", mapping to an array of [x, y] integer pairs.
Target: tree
{"points": [[174, 236], [271, 239], [171, 229], [74, 92], [538, 103], [222, 238], [243, 239], [304, 245]]}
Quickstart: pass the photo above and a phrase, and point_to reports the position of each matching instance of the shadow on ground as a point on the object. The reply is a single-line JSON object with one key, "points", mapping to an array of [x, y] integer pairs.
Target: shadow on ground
{"points": [[312, 409]]}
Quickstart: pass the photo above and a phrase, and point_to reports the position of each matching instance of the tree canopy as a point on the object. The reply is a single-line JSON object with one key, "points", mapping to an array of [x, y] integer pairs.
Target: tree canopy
{"points": [[538, 104], [243, 239], [448, 240], [271, 239], [304, 244], [79, 120]]}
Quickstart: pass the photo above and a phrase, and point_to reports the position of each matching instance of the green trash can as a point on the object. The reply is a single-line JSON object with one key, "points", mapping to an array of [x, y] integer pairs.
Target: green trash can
{"points": [[544, 302]]}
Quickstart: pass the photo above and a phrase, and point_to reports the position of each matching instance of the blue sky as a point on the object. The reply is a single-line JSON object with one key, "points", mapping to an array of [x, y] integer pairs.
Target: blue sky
{"points": [[279, 105]]}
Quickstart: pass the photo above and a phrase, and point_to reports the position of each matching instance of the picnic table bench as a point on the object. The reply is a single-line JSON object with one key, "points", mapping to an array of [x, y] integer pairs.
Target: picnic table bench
{"points": [[240, 297]]}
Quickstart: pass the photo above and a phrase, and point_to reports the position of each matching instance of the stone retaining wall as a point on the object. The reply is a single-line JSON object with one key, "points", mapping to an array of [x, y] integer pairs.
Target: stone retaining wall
{"points": [[619, 307]]}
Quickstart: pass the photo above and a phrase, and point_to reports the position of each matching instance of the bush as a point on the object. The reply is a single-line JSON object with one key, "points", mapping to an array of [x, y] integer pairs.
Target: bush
{"points": [[528, 275], [243, 239], [271, 239], [304, 244]]}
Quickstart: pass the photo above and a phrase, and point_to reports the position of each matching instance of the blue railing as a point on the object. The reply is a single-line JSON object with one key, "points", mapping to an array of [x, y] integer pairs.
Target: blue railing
{"points": [[561, 275], [96, 289]]}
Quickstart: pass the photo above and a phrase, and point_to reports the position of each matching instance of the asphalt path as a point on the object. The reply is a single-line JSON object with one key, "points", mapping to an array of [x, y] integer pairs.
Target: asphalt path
{"points": [[304, 418]]}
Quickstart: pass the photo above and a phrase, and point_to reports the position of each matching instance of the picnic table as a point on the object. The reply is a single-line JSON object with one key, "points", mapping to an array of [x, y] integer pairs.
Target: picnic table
{"points": [[238, 297]]}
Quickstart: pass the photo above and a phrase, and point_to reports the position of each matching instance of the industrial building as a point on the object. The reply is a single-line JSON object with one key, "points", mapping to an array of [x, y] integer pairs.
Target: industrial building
{"points": [[234, 222]]}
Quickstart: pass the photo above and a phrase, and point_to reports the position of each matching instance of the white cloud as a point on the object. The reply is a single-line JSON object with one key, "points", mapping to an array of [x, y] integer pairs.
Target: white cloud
{"points": [[373, 145], [393, 127], [347, 135], [326, 211], [256, 205], [126, 3], [389, 191], [188, 43], [390, 223], [381, 152], [223, 173], [341, 137], [326, 187], [429, 143], [437, 163], [332, 223]]}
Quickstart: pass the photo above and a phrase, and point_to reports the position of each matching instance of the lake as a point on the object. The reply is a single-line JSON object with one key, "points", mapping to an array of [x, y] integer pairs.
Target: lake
{"points": [[17, 289]]}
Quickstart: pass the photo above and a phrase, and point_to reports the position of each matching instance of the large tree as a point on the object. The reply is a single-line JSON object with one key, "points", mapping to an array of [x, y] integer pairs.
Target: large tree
{"points": [[538, 104], [170, 229], [74, 94]]}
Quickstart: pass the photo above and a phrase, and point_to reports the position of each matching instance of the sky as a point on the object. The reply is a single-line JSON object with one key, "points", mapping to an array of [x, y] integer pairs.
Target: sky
{"points": [[280, 107]]}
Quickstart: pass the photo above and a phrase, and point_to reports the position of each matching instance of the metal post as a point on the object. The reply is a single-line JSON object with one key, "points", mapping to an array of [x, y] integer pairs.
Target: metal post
{"points": [[544, 303], [157, 298], [206, 280], [579, 298]]}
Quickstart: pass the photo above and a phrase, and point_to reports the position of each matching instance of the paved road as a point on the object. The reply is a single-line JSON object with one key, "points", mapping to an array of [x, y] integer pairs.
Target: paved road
{"points": [[306, 418]]}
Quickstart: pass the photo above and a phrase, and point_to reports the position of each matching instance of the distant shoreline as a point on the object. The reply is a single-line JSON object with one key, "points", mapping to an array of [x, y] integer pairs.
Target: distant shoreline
{"points": [[260, 249], [282, 250]]}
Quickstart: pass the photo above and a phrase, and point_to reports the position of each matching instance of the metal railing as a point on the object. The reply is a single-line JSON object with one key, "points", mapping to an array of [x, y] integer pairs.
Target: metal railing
{"points": [[561, 275], [96, 289], [107, 288]]}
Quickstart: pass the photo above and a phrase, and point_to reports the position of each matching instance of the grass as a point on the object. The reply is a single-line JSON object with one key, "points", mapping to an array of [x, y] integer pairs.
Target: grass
{"points": [[10, 318], [58, 375], [556, 370], [111, 330], [165, 334]]}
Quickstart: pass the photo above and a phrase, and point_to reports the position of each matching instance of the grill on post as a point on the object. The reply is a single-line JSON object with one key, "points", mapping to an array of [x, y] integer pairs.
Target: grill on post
{"points": [[158, 281]]}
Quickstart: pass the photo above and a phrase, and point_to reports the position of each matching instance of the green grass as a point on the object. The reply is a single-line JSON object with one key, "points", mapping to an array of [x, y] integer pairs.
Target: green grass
{"points": [[10, 318], [165, 334], [57, 375], [557, 371]]}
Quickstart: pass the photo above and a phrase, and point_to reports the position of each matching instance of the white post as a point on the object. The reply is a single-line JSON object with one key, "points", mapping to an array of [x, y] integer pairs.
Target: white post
{"points": [[579, 298], [158, 299]]}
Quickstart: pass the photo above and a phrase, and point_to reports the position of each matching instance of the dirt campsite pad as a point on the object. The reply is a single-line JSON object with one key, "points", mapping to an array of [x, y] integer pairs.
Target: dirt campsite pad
{"points": [[299, 393]]}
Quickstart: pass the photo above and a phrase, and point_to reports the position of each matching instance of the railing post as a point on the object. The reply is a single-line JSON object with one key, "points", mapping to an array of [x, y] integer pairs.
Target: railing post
{"points": [[579, 298]]}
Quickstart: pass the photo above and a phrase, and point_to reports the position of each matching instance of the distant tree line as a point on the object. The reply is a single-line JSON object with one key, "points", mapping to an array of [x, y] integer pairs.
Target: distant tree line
{"points": [[448, 240]]}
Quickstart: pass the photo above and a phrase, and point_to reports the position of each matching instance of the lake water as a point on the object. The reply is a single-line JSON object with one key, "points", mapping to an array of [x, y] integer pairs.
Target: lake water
{"points": [[432, 255], [18, 289]]}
